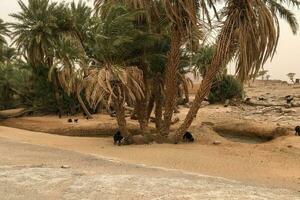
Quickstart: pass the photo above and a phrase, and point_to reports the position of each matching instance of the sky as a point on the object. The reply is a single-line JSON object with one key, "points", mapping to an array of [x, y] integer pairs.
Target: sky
{"points": [[287, 58]]}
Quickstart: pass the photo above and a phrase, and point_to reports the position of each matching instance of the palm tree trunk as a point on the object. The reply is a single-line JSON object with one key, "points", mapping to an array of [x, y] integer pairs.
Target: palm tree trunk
{"points": [[225, 49], [142, 104], [83, 106], [158, 102], [56, 94], [121, 120], [142, 115], [171, 79], [150, 106], [158, 113], [186, 92], [201, 94]]}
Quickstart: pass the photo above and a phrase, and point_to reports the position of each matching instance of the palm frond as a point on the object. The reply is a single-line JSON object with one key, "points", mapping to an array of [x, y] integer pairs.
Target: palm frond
{"points": [[113, 82]]}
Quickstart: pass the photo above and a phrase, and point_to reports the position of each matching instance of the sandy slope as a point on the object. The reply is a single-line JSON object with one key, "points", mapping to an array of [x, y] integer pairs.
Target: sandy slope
{"points": [[249, 163]]}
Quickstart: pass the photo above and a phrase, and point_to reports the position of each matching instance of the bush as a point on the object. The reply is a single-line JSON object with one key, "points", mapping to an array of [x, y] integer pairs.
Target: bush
{"points": [[227, 87]]}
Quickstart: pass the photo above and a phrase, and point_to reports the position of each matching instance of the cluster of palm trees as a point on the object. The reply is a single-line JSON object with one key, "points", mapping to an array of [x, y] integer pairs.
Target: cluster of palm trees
{"points": [[136, 52]]}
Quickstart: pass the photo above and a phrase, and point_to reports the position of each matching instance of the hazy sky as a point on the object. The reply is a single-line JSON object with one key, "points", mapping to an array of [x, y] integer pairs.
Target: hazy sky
{"points": [[286, 60]]}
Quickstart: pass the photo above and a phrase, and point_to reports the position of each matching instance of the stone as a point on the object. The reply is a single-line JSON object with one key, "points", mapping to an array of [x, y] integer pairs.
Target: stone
{"points": [[227, 102], [65, 167], [205, 103], [138, 139], [176, 120], [217, 143]]}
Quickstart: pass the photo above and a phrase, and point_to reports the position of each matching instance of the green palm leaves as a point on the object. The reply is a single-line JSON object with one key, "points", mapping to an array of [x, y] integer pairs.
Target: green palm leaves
{"points": [[3, 32]]}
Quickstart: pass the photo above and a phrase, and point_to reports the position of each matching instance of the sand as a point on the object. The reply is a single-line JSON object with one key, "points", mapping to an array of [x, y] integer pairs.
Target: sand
{"points": [[34, 172], [271, 164], [249, 163]]}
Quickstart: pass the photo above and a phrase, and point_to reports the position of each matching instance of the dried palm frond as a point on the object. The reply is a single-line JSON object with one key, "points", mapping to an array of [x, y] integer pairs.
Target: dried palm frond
{"points": [[113, 82]]}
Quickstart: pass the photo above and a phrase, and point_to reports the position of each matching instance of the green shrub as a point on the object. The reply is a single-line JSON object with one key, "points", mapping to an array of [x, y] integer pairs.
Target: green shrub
{"points": [[227, 87]]}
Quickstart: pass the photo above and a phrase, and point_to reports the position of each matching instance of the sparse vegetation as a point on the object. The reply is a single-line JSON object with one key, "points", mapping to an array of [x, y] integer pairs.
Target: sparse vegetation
{"points": [[226, 87]]}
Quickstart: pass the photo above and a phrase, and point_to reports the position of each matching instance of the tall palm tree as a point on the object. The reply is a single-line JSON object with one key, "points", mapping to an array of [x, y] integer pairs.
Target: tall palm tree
{"points": [[38, 29], [249, 35], [182, 16], [34, 32]]}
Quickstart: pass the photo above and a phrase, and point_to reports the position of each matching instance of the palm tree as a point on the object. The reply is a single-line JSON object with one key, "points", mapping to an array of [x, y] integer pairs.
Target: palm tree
{"points": [[202, 60], [249, 35], [82, 18], [3, 32], [262, 74], [71, 66], [35, 34], [182, 16], [291, 76], [114, 85], [40, 26]]}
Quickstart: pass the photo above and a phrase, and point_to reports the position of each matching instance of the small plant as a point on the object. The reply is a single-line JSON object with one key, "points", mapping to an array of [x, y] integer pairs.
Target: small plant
{"points": [[226, 87]]}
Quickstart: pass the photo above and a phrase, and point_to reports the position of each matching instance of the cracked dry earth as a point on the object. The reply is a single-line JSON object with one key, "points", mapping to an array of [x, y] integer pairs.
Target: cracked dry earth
{"points": [[34, 172]]}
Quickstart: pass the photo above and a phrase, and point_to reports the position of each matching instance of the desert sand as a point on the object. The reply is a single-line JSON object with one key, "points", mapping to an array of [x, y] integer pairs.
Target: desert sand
{"points": [[252, 161], [34, 172]]}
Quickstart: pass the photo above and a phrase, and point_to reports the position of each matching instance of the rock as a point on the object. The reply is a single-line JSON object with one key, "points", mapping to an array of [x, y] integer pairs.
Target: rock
{"points": [[172, 138], [138, 139], [65, 167], [248, 99], [205, 103], [217, 143], [227, 102], [296, 104], [262, 99], [289, 146], [113, 114], [288, 106], [176, 120]]}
